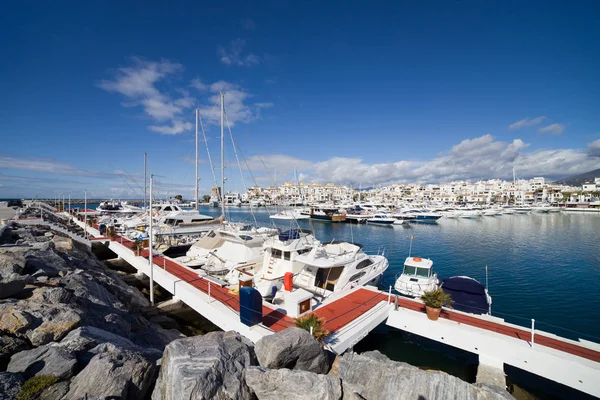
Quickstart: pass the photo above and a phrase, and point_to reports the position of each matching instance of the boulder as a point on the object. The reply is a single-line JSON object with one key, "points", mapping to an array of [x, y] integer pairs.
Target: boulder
{"points": [[55, 392], [84, 342], [205, 367], [149, 335], [55, 329], [52, 295], [116, 373], [292, 348], [12, 262], [373, 375], [12, 283], [275, 384], [43, 360], [16, 321], [10, 385], [92, 291], [63, 244], [45, 262], [10, 345]]}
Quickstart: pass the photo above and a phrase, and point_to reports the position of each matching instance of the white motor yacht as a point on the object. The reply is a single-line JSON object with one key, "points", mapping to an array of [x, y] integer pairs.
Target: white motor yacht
{"points": [[338, 266], [381, 219], [290, 215], [417, 277], [280, 254]]}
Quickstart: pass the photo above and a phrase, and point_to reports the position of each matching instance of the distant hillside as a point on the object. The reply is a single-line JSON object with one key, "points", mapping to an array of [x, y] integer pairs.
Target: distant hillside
{"points": [[578, 180]]}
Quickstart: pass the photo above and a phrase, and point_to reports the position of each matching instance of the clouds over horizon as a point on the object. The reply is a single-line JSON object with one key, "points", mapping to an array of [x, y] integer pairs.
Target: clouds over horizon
{"points": [[157, 87], [471, 159]]}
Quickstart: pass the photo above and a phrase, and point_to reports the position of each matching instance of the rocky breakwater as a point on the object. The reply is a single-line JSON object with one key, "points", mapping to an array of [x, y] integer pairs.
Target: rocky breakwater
{"points": [[292, 365], [69, 327]]}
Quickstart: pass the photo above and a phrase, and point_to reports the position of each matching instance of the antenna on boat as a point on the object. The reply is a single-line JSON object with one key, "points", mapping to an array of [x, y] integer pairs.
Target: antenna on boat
{"points": [[412, 238], [486, 276]]}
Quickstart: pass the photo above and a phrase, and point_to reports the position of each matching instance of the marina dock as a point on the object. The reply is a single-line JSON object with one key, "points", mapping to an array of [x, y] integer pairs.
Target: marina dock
{"points": [[352, 315]]}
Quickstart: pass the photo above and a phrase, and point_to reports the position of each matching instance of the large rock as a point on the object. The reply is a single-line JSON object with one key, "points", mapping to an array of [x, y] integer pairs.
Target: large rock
{"points": [[10, 345], [16, 321], [43, 360], [55, 392], [292, 348], [88, 341], [12, 284], [12, 262], [10, 385], [63, 244], [116, 373], [205, 367], [373, 376], [275, 384], [56, 328], [52, 295]]}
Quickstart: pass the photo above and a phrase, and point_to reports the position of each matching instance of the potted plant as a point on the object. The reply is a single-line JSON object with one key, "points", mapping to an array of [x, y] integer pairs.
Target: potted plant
{"points": [[111, 233], [136, 246], [315, 322], [434, 300]]}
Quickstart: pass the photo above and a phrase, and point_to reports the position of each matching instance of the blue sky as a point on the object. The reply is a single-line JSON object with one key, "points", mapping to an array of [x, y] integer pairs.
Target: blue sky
{"points": [[346, 92]]}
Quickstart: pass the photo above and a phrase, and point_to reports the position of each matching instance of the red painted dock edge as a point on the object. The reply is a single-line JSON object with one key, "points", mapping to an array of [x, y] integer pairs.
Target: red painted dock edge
{"points": [[339, 313]]}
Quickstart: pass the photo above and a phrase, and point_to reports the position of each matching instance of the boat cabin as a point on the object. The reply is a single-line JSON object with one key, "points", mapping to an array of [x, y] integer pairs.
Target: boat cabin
{"points": [[418, 267]]}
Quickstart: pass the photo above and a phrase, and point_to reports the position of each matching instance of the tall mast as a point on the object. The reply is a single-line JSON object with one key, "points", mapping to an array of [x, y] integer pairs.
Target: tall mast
{"points": [[196, 193], [145, 180], [223, 153]]}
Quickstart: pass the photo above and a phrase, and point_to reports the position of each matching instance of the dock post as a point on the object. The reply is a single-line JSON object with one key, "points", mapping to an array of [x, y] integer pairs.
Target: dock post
{"points": [[532, 331], [396, 303], [390, 295], [209, 299], [164, 263]]}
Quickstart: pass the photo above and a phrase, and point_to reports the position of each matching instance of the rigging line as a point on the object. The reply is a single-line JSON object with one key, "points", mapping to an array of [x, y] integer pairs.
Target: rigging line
{"points": [[208, 152], [120, 173], [240, 167], [266, 170]]}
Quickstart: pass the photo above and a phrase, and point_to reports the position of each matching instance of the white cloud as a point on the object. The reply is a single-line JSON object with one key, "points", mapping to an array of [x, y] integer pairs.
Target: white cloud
{"points": [[25, 163], [174, 129], [233, 54], [525, 122], [138, 84], [554, 129], [199, 85], [593, 148], [478, 158], [237, 107]]}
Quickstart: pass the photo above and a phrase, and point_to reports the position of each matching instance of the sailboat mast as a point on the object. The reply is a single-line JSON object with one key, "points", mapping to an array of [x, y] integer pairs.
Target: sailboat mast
{"points": [[145, 180], [196, 192], [223, 153]]}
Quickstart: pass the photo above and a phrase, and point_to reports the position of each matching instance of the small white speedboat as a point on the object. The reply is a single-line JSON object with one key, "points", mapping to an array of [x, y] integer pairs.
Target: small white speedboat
{"points": [[381, 219], [417, 277]]}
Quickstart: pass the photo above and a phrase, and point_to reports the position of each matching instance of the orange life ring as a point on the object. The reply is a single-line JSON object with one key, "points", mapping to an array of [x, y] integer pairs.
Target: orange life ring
{"points": [[417, 259]]}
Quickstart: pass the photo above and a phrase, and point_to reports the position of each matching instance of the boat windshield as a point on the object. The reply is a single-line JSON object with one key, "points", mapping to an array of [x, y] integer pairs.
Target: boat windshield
{"points": [[415, 271]]}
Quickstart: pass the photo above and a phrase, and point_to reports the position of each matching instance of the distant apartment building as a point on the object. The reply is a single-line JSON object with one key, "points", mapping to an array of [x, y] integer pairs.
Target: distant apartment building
{"points": [[497, 191]]}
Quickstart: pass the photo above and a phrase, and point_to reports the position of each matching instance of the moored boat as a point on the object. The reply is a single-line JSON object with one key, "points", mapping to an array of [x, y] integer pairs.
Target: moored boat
{"points": [[417, 277]]}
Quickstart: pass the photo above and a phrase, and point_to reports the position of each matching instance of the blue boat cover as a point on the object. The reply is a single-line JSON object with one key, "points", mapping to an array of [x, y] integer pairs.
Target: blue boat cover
{"points": [[468, 294], [289, 235]]}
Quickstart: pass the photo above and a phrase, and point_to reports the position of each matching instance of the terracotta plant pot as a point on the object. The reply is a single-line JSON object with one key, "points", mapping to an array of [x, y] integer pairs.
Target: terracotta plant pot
{"points": [[433, 313]]}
